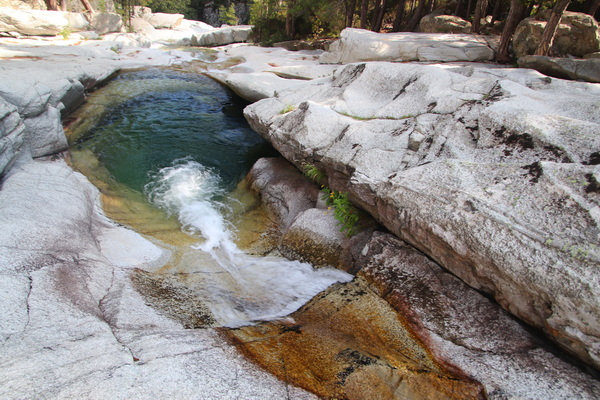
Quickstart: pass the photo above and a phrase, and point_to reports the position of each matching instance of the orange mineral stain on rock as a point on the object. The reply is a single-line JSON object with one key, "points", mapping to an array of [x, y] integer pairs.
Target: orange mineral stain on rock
{"points": [[348, 343]]}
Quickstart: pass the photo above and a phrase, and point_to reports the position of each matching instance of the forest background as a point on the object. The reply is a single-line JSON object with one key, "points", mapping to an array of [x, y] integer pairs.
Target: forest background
{"points": [[283, 20]]}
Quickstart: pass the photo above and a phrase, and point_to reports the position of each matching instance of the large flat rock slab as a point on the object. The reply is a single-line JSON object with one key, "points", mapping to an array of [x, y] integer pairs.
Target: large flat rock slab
{"points": [[73, 326], [492, 172], [357, 45]]}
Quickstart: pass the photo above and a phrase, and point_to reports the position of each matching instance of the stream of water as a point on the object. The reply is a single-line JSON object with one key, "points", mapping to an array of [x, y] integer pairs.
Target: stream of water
{"points": [[178, 141]]}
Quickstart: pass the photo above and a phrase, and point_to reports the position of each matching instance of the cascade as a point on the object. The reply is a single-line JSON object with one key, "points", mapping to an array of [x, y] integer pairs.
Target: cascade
{"points": [[181, 140]]}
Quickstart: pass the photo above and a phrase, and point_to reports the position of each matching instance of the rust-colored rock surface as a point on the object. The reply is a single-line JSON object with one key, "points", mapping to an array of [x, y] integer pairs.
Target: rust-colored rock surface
{"points": [[348, 343]]}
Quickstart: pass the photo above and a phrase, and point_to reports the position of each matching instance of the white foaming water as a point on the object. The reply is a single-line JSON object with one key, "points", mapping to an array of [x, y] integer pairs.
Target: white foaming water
{"points": [[237, 287]]}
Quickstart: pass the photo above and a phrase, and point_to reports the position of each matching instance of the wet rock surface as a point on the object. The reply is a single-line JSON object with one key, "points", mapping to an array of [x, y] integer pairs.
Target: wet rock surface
{"points": [[349, 343]]}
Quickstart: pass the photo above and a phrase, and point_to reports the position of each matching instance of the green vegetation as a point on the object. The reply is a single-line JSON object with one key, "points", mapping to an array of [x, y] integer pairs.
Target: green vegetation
{"points": [[314, 174], [281, 20], [227, 15], [287, 109], [347, 215], [66, 32]]}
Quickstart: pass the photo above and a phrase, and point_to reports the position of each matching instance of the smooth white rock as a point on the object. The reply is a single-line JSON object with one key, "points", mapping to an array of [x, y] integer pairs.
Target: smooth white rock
{"points": [[222, 36], [487, 192], [163, 20], [357, 45]]}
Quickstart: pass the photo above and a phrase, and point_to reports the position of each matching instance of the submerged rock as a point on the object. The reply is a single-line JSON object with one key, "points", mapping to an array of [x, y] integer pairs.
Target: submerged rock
{"points": [[349, 343], [474, 167]]}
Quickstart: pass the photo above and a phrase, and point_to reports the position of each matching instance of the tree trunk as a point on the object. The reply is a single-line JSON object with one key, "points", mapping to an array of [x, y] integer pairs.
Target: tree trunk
{"points": [[594, 7], [430, 6], [416, 17], [51, 5], [63, 5], [480, 9], [399, 16], [497, 10], [290, 26], [468, 10], [364, 8], [515, 15], [88, 6], [350, 13], [379, 21], [375, 14], [459, 4], [551, 27]]}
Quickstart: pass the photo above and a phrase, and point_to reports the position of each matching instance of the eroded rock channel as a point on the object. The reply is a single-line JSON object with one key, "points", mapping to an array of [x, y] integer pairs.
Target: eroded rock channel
{"points": [[402, 328], [94, 309]]}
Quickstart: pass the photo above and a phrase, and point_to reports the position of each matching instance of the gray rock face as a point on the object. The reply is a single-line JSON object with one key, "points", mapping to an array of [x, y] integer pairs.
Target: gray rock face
{"points": [[284, 191], [163, 20], [104, 23], [40, 22], [357, 45], [12, 127], [31, 107], [435, 23], [568, 68], [465, 330], [222, 36], [491, 172], [577, 35], [71, 323]]}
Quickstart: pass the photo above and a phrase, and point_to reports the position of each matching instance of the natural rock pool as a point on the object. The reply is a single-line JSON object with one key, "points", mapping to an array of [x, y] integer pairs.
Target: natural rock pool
{"points": [[167, 149]]}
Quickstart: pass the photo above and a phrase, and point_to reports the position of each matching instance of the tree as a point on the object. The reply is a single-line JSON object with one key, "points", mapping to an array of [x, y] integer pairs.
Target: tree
{"points": [[227, 15], [400, 7], [170, 6], [364, 9], [551, 27], [515, 15], [416, 17], [351, 9], [480, 9], [593, 9], [51, 5]]}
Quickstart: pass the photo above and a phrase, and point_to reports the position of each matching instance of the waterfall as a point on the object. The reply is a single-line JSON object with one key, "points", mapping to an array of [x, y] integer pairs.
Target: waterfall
{"points": [[239, 288]]}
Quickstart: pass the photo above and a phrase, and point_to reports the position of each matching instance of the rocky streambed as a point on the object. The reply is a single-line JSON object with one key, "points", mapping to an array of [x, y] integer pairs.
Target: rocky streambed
{"points": [[436, 154]]}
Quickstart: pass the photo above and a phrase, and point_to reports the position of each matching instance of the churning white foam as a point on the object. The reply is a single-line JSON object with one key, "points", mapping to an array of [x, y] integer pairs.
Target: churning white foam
{"points": [[237, 287]]}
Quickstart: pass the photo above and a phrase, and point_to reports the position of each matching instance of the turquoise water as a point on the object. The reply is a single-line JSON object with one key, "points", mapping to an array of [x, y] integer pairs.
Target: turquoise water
{"points": [[168, 115]]}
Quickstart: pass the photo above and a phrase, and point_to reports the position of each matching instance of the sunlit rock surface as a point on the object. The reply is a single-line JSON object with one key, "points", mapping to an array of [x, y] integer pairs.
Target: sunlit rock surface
{"points": [[491, 172], [449, 329], [362, 45], [222, 36], [72, 322], [264, 71], [73, 326]]}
